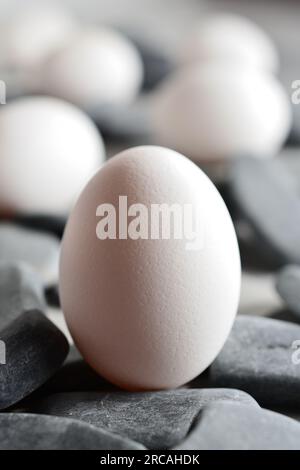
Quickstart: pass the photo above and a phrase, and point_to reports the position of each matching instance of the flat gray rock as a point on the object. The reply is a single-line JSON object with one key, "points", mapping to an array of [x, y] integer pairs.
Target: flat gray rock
{"points": [[20, 290], [226, 426], [258, 358], [267, 197], [34, 349], [39, 250], [21, 431], [288, 287], [158, 420]]}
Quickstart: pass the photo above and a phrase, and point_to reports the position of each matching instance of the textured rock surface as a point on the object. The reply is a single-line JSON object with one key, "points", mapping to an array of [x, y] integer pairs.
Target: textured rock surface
{"points": [[288, 286], [20, 290], [257, 358], [267, 197], [20, 431], [227, 426], [39, 250], [158, 420], [35, 349]]}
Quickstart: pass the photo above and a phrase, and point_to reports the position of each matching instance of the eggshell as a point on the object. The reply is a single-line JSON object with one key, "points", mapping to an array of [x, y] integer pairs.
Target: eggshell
{"points": [[216, 111], [149, 313], [34, 32], [49, 150], [231, 39], [95, 67]]}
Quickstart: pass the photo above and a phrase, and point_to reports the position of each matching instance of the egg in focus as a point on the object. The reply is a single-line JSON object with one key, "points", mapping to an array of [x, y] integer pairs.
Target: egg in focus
{"points": [[149, 313]]}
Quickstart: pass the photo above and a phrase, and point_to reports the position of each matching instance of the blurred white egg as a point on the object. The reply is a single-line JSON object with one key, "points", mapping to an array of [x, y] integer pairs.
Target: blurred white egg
{"points": [[149, 312], [230, 39], [216, 111], [48, 151], [32, 33], [96, 66]]}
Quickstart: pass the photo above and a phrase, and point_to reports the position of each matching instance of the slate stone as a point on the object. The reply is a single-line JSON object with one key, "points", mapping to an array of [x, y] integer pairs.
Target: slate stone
{"points": [[75, 376], [258, 358], [226, 426], [21, 431], [267, 198], [20, 290], [35, 349], [43, 223], [52, 296], [157, 65], [156, 419], [121, 123], [288, 287], [39, 250]]}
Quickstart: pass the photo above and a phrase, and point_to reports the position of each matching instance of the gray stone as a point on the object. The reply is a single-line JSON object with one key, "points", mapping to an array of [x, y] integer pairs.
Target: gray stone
{"points": [[34, 350], [258, 358], [21, 431], [76, 376], [267, 197], [20, 290], [288, 286], [226, 426], [39, 250], [43, 223], [52, 296], [156, 419]]}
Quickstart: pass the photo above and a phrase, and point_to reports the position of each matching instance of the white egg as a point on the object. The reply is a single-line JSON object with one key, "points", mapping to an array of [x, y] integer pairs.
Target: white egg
{"points": [[33, 33], [215, 111], [149, 306], [97, 66], [229, 38], [48, 151]]}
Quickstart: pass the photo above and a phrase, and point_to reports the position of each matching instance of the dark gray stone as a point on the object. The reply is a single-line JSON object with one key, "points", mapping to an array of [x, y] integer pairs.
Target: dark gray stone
{"points": [[20, 290], [288, 286], [52, 296], [20, 431], [75, 376], [35, 349], [267, 198], [156, 419], [258, 358], [226, 426], [39, 250], [43, 223], [122, 123]]}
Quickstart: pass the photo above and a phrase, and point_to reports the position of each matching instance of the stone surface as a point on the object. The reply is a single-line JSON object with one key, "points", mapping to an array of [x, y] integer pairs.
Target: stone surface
{"points": [[21, 431], [20, 290], [121, 123], [288, 286], [227, 426], [76, 376], [268, 199], [35, 349], [258, 358], [52, 295], [158, 420], [39, 250], [43, 223]]}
